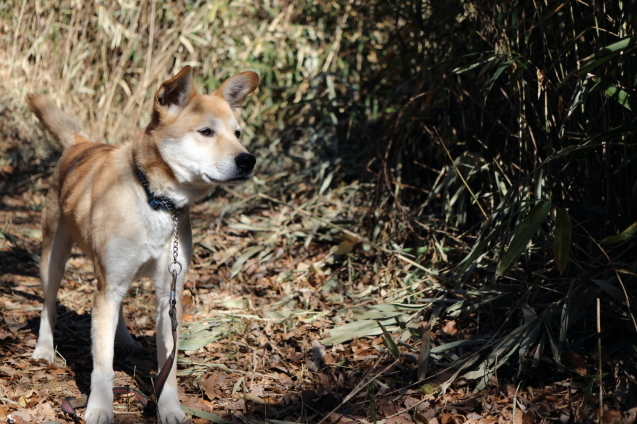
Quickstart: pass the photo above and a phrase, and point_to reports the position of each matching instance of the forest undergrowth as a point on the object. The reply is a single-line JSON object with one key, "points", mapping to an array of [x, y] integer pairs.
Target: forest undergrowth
{"points": [[439, 228]]}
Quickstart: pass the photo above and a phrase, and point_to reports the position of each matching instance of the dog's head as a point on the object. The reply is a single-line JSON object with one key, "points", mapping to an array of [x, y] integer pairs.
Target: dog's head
{"points": [[198, 135]]}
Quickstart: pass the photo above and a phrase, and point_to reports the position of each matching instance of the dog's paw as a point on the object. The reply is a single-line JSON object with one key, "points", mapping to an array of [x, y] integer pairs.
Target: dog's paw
{"points": [[98, 416], [174, 419], [129, 346], [44, 353], [172, 414], [126, 342], [99, 409]]}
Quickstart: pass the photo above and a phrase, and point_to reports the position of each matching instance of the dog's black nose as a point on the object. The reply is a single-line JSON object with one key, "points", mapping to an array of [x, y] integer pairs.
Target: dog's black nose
{"points": [[245, 161]]}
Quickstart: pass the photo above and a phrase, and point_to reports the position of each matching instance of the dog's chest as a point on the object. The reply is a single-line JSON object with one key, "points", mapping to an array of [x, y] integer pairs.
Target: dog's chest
{"points": [[159, 231]]}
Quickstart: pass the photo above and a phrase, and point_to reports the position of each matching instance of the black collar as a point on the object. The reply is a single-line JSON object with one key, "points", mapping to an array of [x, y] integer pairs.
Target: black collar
{"points": [[155, 202]]}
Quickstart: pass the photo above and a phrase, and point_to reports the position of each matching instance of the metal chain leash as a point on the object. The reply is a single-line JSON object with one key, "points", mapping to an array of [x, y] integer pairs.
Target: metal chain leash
{"points": [[175, 269], [175, 266]]}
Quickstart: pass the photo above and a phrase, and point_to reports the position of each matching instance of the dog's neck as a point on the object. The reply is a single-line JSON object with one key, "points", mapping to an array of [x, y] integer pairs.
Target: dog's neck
{"points": [[162, 180], [155, 202]]}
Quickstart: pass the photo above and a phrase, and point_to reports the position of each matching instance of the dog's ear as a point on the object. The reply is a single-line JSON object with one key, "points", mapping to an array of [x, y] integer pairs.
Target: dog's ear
{"points": [[174, 94], [235, 89]]}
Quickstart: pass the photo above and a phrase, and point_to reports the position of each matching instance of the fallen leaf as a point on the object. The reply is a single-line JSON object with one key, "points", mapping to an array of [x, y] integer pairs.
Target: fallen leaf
{"points": [[21, 414], [427, 389], [575, 361], [389, 409], [318, 352], [254, 398], [4, 334], [411, 401], [209, 383], [344, 247], [400, 419], [338, 418], [420, 418], [611, 417], [7, 370], [529, 417], [45, 410], [450, 327]]}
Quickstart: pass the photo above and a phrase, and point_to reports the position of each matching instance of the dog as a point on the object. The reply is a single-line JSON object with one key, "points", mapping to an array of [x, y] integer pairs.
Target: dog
{"points": [[118, 203]]}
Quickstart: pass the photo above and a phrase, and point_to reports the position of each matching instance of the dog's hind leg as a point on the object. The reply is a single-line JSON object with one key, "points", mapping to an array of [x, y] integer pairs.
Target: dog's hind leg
{"points": [[123, 338], [56, 249]]}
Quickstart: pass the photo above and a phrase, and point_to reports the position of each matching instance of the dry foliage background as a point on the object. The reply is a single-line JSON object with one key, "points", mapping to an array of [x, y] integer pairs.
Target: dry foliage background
{"points": [[443, 197]]}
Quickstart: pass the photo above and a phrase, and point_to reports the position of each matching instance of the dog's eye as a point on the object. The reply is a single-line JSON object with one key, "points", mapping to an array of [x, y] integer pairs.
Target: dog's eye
{"points": [[207, 132], [238, 133]]}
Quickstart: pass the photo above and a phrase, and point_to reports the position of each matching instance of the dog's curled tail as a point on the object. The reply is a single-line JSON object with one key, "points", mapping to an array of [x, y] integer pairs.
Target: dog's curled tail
{"points": [[56, 121]]}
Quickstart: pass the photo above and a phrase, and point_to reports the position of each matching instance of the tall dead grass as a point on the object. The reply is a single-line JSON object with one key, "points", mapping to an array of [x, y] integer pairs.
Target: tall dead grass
{"points": [[103, 61]]}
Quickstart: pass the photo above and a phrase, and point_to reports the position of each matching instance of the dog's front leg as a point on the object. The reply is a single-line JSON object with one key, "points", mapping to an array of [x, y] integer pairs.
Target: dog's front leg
{"points": [[168, 408], [105, 314]]}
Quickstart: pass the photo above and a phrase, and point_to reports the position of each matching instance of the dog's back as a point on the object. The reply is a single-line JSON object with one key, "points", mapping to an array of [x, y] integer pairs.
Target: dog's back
{"points": [[57, 122]]}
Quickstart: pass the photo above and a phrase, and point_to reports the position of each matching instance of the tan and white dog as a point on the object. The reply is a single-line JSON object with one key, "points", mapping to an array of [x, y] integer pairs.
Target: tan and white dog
{"points": [[107, 200]]}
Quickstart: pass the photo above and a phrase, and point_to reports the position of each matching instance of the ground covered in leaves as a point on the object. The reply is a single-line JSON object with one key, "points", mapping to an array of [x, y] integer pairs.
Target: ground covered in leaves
{"points": [[275, 330]]}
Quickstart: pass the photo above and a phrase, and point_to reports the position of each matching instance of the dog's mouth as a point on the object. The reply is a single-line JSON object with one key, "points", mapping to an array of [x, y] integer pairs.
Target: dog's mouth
{"points": [[236, 180]]}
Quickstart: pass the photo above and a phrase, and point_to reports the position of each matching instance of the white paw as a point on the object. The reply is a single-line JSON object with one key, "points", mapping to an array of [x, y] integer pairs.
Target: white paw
{"points": [[171, 414], [98, 416], [99, 409], [173, 419], [45, 353]]}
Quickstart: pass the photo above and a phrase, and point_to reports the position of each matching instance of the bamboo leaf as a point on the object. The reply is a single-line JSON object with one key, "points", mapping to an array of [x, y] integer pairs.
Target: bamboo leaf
{"points": [[202, 414], [326, 183], [461, 69], [608, 52], [555, 350], [458, 343], [198, 340], [529, 226], [236, 303], [416, 250], [528, 342], [617, 94], [359, 329], [563, 230], [237, 385], [371, 396], [477, 250], [579, 94], [496, 75], [236, 268], [623, 236], [506, 347], [465, 307], [565, 319], [611, 290], [388, 340]]}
